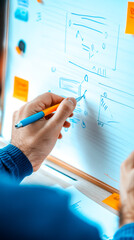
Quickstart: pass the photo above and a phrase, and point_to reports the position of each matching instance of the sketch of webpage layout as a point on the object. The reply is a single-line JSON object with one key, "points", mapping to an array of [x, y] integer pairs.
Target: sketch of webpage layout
{"points": [[91, 43]]}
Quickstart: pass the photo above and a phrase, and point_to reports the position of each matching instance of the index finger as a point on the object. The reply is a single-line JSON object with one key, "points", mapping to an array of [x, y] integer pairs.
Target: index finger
{"points": [[44, 101]]}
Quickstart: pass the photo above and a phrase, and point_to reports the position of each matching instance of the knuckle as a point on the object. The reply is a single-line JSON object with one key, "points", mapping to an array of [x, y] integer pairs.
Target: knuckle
{"points": [[29, 108], [45, 95], [67, 107], [30, 105]]}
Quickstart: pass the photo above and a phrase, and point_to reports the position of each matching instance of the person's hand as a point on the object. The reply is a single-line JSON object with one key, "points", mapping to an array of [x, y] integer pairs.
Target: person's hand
{"points": [[38, 139], [127, 191]]}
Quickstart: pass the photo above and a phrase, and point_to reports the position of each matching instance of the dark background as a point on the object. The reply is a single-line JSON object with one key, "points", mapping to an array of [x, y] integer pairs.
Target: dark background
{"points": [[2, 22], [2, 27]]}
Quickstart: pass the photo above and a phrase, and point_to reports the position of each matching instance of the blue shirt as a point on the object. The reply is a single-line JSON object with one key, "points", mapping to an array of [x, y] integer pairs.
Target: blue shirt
{"points": [[37, 212]]}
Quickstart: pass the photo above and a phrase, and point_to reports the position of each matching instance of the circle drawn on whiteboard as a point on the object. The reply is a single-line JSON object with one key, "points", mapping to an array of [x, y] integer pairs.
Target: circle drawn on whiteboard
{"points": [[86, 78], [53, 69]]}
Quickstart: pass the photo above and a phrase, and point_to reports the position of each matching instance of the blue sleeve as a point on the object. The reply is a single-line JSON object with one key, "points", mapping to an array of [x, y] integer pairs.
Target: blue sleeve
{"points": [[14, 163], [33, 213], [125, 233]]}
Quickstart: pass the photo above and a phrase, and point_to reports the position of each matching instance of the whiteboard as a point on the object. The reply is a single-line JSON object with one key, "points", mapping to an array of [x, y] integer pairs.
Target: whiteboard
{"points": [[73, 46]]}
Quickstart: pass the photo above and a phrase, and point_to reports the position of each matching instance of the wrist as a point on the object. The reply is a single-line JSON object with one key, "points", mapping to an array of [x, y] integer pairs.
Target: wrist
{"points": [[126, 215]]}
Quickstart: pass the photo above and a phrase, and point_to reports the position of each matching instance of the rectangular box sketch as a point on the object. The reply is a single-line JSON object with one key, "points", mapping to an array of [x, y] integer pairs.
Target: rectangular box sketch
{"points": [[91, 43], [70, 85]]}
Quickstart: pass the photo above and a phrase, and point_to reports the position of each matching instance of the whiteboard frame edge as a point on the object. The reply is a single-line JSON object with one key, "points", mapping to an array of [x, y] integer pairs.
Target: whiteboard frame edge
{"points": [[82, 174]]}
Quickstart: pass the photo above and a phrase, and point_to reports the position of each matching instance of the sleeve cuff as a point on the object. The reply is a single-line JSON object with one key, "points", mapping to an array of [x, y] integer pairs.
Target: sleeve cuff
{"points": [[16, 161], [125, 232]]}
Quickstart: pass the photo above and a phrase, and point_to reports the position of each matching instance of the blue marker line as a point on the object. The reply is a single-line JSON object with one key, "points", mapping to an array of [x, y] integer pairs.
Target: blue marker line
{"points": [[86, 49], [93, 20], [128, 106], [66, 32], [93, 29], [117, 48], [82, 15], [116, 89], [85, 46], [87, 69], [99, 109], [112, 122]]}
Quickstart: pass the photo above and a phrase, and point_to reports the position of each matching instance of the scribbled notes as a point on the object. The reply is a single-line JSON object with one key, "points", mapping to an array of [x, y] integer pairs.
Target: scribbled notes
{"points": [[130, 19], [21, 87], [113, 201]]}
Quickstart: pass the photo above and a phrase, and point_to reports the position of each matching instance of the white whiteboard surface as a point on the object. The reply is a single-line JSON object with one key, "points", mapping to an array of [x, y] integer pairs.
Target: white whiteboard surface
{"points": [[73, 46]]}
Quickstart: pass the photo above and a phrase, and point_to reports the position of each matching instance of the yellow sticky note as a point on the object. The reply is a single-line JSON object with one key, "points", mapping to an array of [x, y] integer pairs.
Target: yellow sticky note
{"points": [[130, 19], [21, 87], [113, 201]]}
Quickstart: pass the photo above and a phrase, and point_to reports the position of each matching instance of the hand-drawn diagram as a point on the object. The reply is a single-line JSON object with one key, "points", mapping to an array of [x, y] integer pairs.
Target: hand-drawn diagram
{"points": [[91, 43], [109, 112], [105, 116], [72, 86]]}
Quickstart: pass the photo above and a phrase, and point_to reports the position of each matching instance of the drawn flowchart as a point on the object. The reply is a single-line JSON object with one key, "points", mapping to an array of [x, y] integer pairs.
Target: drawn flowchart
{"points": [[72, 86], [91, 43]]}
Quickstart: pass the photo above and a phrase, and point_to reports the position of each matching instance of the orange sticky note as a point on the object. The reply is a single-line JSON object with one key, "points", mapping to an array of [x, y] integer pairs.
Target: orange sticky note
{"points": [[130, 19], [21, 87], [113, 201], [40, 1]]}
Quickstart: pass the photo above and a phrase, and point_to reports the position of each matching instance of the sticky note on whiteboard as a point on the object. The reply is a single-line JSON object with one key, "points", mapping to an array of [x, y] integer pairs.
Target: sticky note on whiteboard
{"points": [[21, 88], [113, 201], [130, 19]]}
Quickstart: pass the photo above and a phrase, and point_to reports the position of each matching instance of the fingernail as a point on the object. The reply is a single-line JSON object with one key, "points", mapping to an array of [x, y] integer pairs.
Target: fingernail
{"points": [[71, 101]]}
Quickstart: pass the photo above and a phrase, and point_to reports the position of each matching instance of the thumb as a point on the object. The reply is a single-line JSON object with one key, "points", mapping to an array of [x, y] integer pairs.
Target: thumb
{"points": [[64, 110]]}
